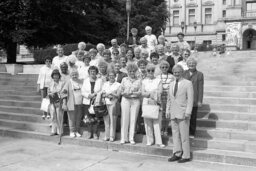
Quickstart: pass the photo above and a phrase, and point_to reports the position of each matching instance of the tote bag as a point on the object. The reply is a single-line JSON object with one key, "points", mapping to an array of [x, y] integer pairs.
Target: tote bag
{"points": [[150, 110], [45, 104]]}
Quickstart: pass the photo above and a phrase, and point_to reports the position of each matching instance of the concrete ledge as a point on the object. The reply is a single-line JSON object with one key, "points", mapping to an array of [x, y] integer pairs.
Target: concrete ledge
{"points": [[13, 69], [220, 156]]}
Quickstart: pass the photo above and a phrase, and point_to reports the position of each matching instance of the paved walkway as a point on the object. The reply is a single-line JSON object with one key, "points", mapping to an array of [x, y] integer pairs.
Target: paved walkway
{"points": [[34, 155]]}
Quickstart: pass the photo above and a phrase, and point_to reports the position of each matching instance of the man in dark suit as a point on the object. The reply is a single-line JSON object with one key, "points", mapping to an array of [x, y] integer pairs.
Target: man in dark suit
{"points": [[133, 40], [197, 79], [119, 74], [174, 58]]}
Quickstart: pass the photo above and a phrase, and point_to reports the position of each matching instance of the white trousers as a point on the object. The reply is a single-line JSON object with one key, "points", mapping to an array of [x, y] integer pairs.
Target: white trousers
{"points": [[153, 130], [110, 121], [130, 109]]}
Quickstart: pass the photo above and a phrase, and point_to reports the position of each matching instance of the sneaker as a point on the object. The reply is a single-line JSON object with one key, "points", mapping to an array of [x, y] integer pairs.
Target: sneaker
{"points": [[111, 140], [48, 117], [122, 142], [132, 142], [149, 144], [106, 139], [161, 145], [72, 135], [78, 135], [43, 117]]}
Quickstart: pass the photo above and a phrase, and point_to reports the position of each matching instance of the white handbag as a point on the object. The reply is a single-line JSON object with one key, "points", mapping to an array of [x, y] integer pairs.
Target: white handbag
{"points": [[91, 110], [45, 104], [150, 110]]}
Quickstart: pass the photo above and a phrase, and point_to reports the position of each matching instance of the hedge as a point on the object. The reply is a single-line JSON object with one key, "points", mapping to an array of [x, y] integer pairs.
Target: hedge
{"points": [[41, 54]]}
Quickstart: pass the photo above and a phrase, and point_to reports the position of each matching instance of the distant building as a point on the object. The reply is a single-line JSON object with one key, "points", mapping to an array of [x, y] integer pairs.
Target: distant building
{"points": [[230, 22]]}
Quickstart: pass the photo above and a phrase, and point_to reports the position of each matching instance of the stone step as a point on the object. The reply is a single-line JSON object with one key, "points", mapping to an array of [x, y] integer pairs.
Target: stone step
{"points": [[230, 88], [30, 126], [224, 133], [18, 83], [230, 94], [201, 154], [229, 83], [21, 103], [230, 124], [18, 88], [229, 107], [20, 77], [222, 144], [229, 100], [23, 117], [15, 109], [224, 115], [19, 92], [21, 97]]}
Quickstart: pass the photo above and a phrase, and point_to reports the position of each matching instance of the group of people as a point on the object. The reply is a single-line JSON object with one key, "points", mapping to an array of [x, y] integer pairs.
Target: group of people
{"points": [[131, 79]]}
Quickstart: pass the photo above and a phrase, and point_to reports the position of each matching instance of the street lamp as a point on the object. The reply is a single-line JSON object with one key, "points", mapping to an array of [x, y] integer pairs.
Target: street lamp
{"points": [[128, 11], [182, 25], [195, 27]]}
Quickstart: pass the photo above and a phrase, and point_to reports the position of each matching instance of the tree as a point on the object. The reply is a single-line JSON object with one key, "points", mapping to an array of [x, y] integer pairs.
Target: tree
{"points": [[14, 23], [42, 23]]}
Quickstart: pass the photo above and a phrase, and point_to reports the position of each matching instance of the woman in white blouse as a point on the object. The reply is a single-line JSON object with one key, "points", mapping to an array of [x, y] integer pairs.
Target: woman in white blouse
{"points": [[44, 80], [185, 55], [151, 91], [83, 70], [91, 86], [130, 104], [111, 92]]}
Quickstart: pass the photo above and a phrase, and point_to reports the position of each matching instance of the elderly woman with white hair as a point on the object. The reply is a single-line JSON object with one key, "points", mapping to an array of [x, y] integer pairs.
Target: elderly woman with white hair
{"points": [[151, 92], [144, 54], [144, 45], [93, 55], [166, 78], [151, 38], [137, 51], [130, 104], [161, 40], [197, 79], [100, 48], [74, 103]]}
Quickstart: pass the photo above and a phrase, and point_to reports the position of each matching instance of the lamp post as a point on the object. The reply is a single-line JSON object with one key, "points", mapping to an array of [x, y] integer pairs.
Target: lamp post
{"points": [[182, 25], [195, 27], [128, 11]]}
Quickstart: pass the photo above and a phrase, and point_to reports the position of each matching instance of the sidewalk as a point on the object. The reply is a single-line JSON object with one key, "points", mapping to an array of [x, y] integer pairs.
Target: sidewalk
{"points": [[34, 155]]}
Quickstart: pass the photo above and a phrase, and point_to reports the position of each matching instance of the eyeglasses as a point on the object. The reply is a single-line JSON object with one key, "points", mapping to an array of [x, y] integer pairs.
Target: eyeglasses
{"points": [[151, 70]]}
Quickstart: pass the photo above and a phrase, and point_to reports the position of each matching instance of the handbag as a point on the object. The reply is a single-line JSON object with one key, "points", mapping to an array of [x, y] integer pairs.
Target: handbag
{"points": [[55, 98], [91, 108], [45, 105], [100, 109], [150, 110]]}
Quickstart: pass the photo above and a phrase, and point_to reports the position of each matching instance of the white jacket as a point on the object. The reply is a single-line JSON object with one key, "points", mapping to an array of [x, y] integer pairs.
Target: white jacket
{"points": [[44, 77], [86, 89]]}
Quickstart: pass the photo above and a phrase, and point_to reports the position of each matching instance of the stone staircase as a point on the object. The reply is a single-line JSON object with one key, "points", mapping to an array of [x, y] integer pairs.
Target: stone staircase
{"points": [[226, 130]]}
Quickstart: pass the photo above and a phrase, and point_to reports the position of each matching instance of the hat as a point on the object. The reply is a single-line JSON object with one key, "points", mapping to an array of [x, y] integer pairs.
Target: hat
{"points": [[180, 33]]}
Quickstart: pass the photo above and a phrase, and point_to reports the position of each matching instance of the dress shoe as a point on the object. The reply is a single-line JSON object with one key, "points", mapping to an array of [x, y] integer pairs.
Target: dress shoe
{"points": [[53, 134], [183, 160], [78, 135], [174, 158], [111, 139], [132, 142]]}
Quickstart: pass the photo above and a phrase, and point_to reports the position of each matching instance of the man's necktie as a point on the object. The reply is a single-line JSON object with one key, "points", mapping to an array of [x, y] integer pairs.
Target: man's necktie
{"points": [[176, 87]]}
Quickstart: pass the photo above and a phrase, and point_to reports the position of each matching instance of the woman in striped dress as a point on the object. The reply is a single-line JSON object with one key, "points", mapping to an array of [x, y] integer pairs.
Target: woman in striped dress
{"points": [[166, 79]]}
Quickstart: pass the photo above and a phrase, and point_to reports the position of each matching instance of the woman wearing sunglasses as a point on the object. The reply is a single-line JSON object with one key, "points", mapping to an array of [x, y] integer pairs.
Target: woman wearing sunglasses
{"points": [[151, 91], [185, 56], [166, 78]]}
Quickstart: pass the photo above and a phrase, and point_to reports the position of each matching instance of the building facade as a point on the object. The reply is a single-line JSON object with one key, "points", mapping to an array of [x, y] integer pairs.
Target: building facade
{"points": [[230, 22]]}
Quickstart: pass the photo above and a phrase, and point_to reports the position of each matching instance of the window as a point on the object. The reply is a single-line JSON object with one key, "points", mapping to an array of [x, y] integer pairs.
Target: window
{"points": [[208, 16], [224, 13], [251, 6], [223, 37], [191, 16], [176, 18], [224, 2]]}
